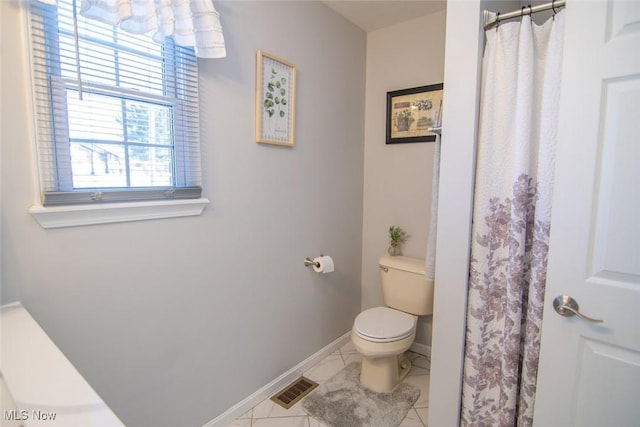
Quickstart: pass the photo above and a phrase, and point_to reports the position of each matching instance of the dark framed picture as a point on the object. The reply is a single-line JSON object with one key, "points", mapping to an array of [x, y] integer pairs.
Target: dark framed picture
{"points": [[412, 112]]}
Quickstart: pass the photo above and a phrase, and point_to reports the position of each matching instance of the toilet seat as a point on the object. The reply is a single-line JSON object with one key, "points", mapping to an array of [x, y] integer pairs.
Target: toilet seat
{"points": [[384, 324]]}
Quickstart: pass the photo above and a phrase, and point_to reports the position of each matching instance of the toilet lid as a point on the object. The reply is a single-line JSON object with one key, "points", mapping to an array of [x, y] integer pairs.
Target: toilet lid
{"points": [[384, 324]]}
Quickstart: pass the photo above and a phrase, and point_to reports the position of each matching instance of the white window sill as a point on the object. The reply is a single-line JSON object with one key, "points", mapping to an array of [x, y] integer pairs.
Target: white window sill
{"points": [[77, 215]]}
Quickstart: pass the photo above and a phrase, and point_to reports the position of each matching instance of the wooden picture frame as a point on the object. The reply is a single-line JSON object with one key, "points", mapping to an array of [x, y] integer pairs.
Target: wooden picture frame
{"points": [[411, 112], [275, 100]]}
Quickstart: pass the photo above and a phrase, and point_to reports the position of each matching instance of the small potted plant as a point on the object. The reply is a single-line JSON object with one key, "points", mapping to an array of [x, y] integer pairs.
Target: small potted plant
{"points": [[397, 237]]}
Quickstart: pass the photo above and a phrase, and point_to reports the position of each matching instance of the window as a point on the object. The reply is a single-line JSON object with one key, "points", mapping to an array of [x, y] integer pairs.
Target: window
{"points": [[116, 113]]}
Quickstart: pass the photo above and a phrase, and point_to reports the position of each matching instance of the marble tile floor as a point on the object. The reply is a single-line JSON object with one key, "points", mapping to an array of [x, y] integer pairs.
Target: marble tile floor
{"points": [[269, 414]]}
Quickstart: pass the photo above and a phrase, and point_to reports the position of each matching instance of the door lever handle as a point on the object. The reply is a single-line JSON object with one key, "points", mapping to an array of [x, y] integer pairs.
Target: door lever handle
{"points": [[566, 306]]}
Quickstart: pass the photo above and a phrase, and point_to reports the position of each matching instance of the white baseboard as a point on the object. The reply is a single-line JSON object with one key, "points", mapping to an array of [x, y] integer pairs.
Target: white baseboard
{"points": [[276, 385], [11, 305], [422, 349], [279, 383]]}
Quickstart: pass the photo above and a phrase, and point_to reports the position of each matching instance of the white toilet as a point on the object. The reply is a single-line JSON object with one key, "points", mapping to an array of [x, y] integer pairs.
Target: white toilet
{"points": [[382, 334]]}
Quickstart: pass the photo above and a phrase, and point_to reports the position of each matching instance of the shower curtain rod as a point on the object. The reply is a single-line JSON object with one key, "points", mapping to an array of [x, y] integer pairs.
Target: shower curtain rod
{"points": [[491, 19]]}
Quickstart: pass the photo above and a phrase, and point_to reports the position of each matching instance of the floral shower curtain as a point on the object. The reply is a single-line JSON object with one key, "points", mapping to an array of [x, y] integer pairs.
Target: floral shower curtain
{"points": [[512, 212]]}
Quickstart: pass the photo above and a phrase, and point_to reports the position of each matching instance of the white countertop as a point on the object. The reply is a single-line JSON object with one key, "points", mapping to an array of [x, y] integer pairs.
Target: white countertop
{"points": [[46, 388]]}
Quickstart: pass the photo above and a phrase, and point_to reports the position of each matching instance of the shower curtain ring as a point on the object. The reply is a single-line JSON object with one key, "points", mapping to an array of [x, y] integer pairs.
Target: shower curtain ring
{"points": [[553, 7], [522, 13], [497, 21]]}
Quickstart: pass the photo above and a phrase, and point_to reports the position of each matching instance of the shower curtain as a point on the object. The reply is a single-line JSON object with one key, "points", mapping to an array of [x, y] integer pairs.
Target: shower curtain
{"points": [[430, 258], [511, 221]]}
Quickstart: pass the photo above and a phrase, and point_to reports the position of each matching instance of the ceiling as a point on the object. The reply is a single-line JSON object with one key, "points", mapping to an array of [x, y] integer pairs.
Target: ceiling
{"points": [[371, 15]]}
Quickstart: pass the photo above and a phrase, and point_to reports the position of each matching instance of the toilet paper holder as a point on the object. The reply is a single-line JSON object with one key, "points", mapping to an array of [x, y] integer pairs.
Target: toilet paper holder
{"points": [[308, 262]]}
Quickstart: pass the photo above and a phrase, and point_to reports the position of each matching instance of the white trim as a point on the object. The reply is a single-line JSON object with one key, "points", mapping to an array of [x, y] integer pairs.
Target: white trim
{"points": [[76, 215], [30, 102], [10, 305], [279, 383], [463, 59], [422, 349]]}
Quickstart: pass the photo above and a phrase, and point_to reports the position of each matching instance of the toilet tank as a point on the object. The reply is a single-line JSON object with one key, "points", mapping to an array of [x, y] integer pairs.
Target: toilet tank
{"points": [[404, 286]]}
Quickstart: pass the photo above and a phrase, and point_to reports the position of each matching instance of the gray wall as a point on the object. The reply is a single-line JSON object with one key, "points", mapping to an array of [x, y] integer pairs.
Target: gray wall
{"points": [[173, 321]]}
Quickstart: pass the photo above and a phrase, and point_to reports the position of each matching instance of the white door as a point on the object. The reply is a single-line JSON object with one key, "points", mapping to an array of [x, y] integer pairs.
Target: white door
{"points": [[589, 373]]}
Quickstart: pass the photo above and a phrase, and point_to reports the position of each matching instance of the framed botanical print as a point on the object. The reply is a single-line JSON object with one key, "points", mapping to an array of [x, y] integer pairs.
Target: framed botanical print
{"points": [[275, 100]]}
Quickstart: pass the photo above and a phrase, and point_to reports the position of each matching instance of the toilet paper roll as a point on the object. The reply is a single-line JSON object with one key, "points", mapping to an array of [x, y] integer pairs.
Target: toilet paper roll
{"points": [[323, 264]]}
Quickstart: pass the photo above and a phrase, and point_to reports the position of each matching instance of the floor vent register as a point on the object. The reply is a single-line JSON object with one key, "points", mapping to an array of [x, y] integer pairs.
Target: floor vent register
{"points": [[294, 392]]}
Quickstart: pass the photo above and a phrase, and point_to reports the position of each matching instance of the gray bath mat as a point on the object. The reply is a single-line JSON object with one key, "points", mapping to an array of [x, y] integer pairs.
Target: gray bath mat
{"points": [[343, 402]]}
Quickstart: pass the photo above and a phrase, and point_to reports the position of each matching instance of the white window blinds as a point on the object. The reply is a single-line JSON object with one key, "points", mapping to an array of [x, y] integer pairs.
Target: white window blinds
{"points": [[117, 114]]}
